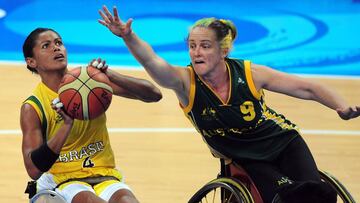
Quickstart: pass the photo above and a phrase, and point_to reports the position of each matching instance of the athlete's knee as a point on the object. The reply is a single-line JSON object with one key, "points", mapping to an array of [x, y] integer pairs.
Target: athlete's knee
{"points": [[86, 196], [125, 199], [123, 196], [311, 191]]}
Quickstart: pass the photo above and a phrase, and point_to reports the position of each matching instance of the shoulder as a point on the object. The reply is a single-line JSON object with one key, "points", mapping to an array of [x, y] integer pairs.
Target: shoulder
{"points": [[29, 113], [234, 60], [238, 63], [33, 107], [259, 70], [29, 106]]}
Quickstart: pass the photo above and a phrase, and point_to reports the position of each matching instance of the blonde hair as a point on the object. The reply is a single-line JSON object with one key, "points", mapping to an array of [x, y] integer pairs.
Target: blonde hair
{"points": [[225, 30]]}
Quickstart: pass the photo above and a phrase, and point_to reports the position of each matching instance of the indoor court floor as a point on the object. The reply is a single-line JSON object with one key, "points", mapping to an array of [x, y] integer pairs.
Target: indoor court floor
{"points": [[163, 158]]}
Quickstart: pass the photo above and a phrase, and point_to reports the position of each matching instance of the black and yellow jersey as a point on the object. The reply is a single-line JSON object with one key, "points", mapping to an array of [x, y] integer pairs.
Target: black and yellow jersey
{"points": [[242, 127]]}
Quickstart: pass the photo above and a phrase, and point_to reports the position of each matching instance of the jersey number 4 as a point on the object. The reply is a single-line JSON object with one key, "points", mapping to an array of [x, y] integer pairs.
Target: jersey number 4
{"points": [[88, 163]]}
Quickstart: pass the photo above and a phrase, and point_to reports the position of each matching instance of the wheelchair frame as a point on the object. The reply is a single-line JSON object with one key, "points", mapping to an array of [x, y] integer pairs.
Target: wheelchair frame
{"points": [[50, 195], [239, 188]]}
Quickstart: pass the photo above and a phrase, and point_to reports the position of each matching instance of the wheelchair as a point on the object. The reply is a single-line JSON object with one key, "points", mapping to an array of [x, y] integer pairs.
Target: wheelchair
{"points": [[43, 196], [47, 196], [239, 188]]}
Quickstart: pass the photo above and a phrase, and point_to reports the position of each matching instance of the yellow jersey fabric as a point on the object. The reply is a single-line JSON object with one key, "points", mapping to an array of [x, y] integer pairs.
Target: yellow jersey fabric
{"points": [[86, 152]]}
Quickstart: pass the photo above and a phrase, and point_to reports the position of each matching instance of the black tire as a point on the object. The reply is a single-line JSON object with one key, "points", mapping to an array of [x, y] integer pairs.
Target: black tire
{"points": [[223, 190], [342, 192]]}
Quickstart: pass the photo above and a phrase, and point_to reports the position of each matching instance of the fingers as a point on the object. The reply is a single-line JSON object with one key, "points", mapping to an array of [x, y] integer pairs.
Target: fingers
{"points": [[349, 113], [355, 111], [116, 15], [57, 104], [91, 62], [107, 13], [55, 101], [108, 18], [114, 23], [95, 63], [100, 64], [128, 23], [105, 20]]}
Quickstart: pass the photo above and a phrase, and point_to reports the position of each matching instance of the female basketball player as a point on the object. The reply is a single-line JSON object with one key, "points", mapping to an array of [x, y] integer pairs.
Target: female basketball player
{"points": [[73, 157], [224, 100]]}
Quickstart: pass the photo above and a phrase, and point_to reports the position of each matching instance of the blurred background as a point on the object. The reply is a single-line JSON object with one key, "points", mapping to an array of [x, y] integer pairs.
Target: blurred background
{"points": [[306, 37]]}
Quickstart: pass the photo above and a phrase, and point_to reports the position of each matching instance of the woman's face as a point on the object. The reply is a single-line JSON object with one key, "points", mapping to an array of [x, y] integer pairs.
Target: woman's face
{"points": [[49, 53], [204, 49]]}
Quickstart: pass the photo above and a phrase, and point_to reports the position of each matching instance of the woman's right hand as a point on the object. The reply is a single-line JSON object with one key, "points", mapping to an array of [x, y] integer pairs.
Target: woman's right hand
{"points": [[58, 107], [114, 23], [349, 112]]}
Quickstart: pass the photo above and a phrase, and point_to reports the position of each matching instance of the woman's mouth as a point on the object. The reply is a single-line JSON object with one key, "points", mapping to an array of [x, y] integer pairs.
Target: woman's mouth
{"points": [[59, 56]]}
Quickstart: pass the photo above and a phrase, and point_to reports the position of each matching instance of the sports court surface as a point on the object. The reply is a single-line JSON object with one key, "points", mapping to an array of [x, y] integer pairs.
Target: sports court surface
{"points": [[163, 158]]}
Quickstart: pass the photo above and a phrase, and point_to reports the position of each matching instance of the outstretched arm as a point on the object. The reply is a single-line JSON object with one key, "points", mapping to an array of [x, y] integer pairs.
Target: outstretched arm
{"points": [[133, 88], [162, 72], [267, 78], [127, 86]]}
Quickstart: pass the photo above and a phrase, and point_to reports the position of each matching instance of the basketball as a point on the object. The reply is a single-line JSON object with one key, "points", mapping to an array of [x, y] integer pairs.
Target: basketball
{"points": [[85, 92]]}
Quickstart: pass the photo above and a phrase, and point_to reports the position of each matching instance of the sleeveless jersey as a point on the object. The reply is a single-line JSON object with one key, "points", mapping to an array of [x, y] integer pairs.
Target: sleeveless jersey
{"points": [[86, 152], [242, 127]]}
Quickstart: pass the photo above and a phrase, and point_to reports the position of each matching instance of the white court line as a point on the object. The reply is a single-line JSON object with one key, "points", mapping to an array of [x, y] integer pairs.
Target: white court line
{"points": [[139, 68], [192, 130]]}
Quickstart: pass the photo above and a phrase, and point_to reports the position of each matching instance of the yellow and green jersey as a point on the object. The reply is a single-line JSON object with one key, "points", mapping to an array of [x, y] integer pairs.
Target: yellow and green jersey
{"points": [[242, 127], [86, 152]]}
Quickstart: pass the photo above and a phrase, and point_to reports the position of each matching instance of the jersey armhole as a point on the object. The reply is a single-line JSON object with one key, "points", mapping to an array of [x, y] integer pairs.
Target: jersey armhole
{"points": [[35, 103], [191, 97], [250, 81]]}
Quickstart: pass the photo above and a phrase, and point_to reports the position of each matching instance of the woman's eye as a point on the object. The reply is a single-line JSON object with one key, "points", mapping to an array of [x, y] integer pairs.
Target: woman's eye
{"points": [[44, 46], [206, 46]]}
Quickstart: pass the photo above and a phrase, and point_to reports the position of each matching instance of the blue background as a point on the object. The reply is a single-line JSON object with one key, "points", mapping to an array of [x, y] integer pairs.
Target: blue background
{"points": [[307, 37]]}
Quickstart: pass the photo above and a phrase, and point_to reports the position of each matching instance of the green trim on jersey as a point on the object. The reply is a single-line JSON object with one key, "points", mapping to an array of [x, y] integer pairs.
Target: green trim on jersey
{"points": [[36, 101]]}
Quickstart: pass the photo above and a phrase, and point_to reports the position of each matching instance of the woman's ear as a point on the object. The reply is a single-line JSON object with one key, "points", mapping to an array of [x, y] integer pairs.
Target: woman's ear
{"points": [[225, 52], [31, 62]]}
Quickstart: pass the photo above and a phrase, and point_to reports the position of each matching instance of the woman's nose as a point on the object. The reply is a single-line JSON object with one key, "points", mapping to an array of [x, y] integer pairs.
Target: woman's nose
{"points": [[56, 48], [197, 51]]}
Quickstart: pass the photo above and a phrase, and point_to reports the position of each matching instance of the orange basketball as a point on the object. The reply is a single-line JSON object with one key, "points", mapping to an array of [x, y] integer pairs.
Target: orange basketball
{"points": [[85, 92]]}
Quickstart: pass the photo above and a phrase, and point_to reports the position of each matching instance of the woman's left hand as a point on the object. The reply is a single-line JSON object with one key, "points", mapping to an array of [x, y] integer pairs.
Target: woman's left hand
{"points": [[114, 23], [99, 64], [349, 113]]}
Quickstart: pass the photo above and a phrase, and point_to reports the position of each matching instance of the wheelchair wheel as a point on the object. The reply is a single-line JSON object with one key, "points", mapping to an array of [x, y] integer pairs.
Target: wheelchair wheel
{"points": [[223, 190], [342, 192], [47, 196]]}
